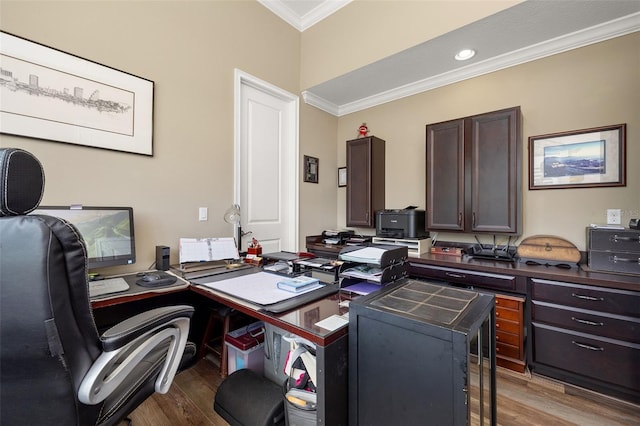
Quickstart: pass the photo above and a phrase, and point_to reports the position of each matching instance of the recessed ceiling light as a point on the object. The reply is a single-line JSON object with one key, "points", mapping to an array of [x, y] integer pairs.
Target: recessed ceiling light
{"points": [[465, 54]]}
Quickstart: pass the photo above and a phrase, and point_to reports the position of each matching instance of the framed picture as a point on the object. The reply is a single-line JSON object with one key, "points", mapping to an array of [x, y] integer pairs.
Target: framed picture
{"points": [[52, 95], [342, 176], [311, 169], [578, 159]]}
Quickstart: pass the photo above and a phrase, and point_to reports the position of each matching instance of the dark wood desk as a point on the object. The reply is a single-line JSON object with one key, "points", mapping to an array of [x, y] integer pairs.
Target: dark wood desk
{"points": [[331, 345]]}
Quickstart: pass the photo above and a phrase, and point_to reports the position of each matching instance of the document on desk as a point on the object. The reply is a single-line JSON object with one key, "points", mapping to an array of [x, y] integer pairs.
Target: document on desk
{"points": [[207, 249], [260, 288]]}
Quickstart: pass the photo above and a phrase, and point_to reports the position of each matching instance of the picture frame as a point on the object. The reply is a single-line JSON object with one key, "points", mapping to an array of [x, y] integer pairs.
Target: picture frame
{"points": [[52, 95], [587, 158], [311, 168], [342, 176]]}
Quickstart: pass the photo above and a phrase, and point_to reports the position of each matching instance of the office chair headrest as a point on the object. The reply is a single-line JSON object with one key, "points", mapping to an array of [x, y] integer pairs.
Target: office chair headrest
{"points": [[21, 182]]}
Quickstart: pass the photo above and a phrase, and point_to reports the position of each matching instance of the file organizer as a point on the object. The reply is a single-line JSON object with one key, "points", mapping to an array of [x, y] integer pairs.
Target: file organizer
{"points": [[392, 262]]}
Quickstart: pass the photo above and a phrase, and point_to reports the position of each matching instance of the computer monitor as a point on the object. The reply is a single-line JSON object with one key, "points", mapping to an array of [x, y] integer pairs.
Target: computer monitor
{"points": [[107, 232]]}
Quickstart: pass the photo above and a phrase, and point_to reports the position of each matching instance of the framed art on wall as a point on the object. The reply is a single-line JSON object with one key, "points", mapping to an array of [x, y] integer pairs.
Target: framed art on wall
{"points": [[578, 159], [52, 95], [311, 169], [342, 176]]}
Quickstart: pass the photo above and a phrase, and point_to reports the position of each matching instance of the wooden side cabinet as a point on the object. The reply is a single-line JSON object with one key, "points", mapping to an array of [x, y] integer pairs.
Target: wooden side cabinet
{"points": [[510, 332], [365, 180], [474, 174]]}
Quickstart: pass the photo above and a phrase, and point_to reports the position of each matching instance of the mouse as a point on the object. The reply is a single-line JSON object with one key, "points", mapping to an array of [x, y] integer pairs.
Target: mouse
{"points": [[150, 277]]}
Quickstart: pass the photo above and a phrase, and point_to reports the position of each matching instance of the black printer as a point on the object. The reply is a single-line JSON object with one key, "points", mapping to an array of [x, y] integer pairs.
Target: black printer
{"points": [[401, 223]]}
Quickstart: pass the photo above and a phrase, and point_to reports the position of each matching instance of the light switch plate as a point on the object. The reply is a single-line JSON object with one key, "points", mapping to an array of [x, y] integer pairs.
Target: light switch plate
{"points": [[613, 217], [202, 214]]}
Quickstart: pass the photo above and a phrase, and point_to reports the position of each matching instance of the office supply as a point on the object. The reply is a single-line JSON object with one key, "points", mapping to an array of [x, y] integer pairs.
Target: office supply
{"points": [[364, 271], [207, 249], [260, 288], [401, 223], [107, 286], [334, 322], [362, 287], [376, 254], [298, 284], [107, 232], [156, 279]]}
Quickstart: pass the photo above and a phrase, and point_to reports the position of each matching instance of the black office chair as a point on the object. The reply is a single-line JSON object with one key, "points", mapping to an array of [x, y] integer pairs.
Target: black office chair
{"points": [[54, 368]]}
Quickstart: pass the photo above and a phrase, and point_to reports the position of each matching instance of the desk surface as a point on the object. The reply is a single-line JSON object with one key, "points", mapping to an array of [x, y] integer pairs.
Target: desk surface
{"points": [[300, 320]]}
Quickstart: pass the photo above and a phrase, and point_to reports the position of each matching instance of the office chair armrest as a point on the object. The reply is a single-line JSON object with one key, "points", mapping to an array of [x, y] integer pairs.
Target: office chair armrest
{"points": [[126, 331], [127, 345]]}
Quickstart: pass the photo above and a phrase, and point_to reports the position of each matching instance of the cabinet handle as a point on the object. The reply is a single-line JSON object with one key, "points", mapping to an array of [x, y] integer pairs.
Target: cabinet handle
{"points": [[616, 238], [587, 322], [460, 219], [581, 296], [454, 275], [616, 259], [585, 346], [473, 219]]}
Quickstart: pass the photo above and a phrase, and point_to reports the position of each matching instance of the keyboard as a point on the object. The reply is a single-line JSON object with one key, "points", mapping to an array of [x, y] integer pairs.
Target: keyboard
{"points": [[107, 286]]}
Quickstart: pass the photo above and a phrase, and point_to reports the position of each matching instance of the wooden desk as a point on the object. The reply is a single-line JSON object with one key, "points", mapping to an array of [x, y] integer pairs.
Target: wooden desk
{"points": [[331, 346]]}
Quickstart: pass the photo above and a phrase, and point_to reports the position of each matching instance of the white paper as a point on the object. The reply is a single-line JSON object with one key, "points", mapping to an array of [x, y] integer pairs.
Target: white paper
{"points": [[364, 255], [261, 288], [207, 249], [333, 322]]}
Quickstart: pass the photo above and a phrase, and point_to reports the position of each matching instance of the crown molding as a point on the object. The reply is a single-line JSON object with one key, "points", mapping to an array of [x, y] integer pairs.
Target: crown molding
{"points": [[310, 18], [602, 32]]}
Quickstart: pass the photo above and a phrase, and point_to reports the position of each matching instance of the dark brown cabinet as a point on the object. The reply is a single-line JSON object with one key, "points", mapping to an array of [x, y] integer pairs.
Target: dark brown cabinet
{"points": [[365, 180], [587, 335], [474, 174]]}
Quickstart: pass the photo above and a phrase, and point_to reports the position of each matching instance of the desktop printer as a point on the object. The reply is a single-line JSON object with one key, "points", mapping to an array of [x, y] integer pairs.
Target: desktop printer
{"points": [[402, 223]]}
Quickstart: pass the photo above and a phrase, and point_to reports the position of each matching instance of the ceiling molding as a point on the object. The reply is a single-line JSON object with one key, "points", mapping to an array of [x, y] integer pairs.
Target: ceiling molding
{"points": [[595, 34], [308, 19]]}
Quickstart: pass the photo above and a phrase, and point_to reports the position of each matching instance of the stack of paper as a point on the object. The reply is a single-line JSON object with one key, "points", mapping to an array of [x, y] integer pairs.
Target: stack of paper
{"points": [[365, 272], [364, 255]]}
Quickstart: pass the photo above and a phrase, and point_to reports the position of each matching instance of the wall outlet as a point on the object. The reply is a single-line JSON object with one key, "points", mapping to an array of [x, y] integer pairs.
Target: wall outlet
{"points": [[202, 214], [613, 217]]}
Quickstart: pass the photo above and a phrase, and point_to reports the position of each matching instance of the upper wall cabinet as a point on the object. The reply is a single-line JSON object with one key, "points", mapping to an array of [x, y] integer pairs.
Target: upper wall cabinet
{"points": [[474, 174], [365, 180]]}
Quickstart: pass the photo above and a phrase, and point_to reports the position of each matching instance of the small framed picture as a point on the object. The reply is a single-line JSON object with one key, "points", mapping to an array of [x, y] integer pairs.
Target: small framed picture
{"points": [[342, 176], [311, 169]]}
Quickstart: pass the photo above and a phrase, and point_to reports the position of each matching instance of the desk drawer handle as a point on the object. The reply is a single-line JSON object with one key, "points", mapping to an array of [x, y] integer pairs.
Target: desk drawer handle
{"points": [[454, 275], [587, 322], [616, 238], [585, 346], [582, 296]]}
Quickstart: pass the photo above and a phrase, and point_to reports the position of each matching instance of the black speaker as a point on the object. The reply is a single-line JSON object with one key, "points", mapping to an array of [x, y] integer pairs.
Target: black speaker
{"points": [[162, 258]]}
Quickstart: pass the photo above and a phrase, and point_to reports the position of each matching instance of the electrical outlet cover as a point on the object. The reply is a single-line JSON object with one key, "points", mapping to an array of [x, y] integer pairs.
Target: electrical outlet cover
{"points": [[613, 217]]}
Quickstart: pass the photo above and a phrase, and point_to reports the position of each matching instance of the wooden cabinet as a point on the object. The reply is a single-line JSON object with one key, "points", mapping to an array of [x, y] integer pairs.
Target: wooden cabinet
{"points": [[365, 180], [474, 174], [587, 335]]}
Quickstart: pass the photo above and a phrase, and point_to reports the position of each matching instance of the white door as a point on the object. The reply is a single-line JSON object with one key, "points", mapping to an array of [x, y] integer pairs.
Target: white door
{"points": [[266, 164]]}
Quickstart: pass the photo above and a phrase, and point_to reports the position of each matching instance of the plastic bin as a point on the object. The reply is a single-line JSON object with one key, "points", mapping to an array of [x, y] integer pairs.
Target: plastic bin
{"points": [[245, 348]]}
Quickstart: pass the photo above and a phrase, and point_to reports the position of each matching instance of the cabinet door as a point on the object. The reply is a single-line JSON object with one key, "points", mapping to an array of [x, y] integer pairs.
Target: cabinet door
{"points": [[495, 163], [445, 176], [365, 180]]}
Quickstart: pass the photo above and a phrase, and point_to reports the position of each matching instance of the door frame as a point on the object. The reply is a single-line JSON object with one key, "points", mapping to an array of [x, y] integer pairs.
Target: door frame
{"points": [[242, 79]]}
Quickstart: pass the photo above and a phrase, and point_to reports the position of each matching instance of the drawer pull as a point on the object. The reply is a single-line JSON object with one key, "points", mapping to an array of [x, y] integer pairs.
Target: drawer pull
{"points": [[582, 296], [454, 275], [587, 322], [616, 259], [585, 346], [616, 238], [460, 219]]}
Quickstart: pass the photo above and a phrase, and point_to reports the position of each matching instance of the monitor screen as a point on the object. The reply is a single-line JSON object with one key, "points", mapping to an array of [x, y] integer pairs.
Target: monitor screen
{"points": [[107, 232]]}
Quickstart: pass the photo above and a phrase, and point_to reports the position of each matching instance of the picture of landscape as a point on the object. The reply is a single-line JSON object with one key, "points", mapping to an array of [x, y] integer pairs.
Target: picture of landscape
{"points": [[575, 159]]}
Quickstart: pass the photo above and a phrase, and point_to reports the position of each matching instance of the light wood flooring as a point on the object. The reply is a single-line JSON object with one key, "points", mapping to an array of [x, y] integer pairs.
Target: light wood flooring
{"points": [[522, 400]]}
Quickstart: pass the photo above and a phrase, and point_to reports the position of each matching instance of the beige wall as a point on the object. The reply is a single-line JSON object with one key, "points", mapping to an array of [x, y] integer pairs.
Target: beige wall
{"points": [[190, 50], [588, 87]]}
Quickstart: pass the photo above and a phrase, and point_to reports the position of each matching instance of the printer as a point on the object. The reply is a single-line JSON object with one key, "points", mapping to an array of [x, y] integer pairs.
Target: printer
{"points": [[401, 223]]}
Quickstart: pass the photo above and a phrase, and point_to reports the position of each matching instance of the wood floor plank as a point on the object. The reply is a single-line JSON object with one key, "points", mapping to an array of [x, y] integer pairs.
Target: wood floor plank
{"points": [[522, 400]]}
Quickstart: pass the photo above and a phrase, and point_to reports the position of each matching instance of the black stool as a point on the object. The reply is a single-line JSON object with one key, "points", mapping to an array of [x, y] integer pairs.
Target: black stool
{"points": [[245, 398]]}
